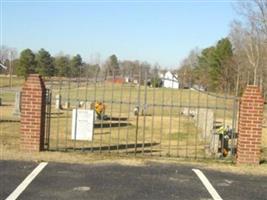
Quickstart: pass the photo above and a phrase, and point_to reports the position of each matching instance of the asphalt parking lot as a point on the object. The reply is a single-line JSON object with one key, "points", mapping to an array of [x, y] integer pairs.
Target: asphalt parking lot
{"points": [[26, 180]]}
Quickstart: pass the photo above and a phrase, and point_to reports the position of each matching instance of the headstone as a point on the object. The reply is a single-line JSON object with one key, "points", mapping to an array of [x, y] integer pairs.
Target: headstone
{"points": [[17, 103], [81, 104], [189, 112], [67, 105], [58, 101], [214, 145], [204, 120], [136, 110], [86, 105]]}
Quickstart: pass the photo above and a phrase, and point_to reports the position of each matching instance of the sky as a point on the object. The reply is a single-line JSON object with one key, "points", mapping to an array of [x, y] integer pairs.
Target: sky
{"points": [[160, 32]]}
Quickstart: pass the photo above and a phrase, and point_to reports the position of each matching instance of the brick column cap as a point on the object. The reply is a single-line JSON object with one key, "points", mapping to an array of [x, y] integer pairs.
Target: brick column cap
{"points": [[253, 92]]}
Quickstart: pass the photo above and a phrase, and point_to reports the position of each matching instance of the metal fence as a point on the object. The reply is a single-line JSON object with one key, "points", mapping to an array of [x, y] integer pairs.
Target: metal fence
{"points": [[144, 115]]}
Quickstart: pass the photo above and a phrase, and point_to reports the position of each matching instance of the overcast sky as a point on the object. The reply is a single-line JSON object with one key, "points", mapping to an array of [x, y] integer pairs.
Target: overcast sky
{"points": [[162, 32]]}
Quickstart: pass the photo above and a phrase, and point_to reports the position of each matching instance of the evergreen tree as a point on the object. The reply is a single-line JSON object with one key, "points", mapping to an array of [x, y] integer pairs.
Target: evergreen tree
{"points": [[26, 63], [213, 63], [113, 65], [62, 65], [76, 64], [45, 63]]}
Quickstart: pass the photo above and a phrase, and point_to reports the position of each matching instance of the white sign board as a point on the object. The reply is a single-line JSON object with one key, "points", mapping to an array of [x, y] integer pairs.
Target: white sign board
{"points": [[82, 124]]}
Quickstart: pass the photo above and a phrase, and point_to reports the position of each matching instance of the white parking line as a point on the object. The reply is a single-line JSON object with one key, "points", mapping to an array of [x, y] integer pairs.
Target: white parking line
{"points": [[207, 184], [15, 194]]}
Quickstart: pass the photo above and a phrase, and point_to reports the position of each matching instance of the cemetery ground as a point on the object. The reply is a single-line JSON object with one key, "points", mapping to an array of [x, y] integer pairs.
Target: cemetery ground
{"points": [[162, 129], [77, 173], [156, 129], [15, 81]]}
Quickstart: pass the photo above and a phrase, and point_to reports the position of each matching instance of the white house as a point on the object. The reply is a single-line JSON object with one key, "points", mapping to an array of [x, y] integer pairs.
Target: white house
{"points": [[170, 80]]}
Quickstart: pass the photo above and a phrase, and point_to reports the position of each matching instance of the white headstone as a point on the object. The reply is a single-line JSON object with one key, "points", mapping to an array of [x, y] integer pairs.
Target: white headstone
{"points": [[17, 103], [82, 124], [214, 144], [67, 105], [58, 101]]}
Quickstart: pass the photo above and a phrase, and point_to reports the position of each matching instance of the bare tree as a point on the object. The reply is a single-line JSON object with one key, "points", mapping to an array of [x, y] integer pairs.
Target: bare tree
{"points": [[186, 67], [253, 36], [7, 57]]}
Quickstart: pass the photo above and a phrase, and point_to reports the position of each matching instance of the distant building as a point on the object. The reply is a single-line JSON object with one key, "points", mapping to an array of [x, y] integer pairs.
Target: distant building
{"points": [[170, 80], [118, 80]]}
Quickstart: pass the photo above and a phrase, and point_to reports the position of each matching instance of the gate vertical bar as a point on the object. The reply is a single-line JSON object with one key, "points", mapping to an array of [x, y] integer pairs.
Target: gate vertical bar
{"points": [[67, 115], [170, 122], [111, 110], [188, 122], [206, 124], [153, 112], [224, 120], [137, 117], [94, 100], [234, 118], [129, 110], [58, 113], [179, 122], [119, 125], [48, 118], [102, 116], [144, 113], [197, 125], [161, 119]]}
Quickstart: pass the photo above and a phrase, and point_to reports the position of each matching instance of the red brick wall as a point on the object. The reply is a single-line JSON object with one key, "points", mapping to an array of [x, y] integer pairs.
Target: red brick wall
{"points": [[250, 126], [33, 114]]}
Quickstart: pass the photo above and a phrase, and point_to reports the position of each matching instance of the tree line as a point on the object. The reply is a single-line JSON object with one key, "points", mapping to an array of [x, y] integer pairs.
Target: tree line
{"points": [[43, 63], [236, 60]]}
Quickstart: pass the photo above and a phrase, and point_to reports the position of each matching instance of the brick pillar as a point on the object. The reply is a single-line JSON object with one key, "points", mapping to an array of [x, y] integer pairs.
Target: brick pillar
{"points": [[33, 114], [250, 126]]}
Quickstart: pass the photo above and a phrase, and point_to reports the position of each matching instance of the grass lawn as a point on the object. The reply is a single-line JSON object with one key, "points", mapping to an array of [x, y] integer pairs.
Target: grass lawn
{"points": [[15, 81], [164, 131]]}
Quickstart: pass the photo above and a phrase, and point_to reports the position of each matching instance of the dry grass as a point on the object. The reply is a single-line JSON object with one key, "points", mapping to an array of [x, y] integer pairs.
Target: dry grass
{"points": [[144, 95], [163, 129], [180, 139], [150, 130], [15, 81], [89, 158], [172, 133]]}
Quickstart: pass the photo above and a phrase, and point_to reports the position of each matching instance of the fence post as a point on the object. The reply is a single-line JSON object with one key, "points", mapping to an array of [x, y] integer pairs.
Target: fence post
{"points": [[250, 126], [33, 114]]}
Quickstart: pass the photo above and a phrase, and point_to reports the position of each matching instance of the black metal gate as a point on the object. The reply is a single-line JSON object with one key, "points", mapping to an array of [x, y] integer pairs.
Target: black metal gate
{"points": [[144, 114]]}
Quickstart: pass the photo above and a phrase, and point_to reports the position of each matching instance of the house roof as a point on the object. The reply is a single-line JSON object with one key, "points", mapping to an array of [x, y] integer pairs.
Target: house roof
{"points": [[173, 74]]}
